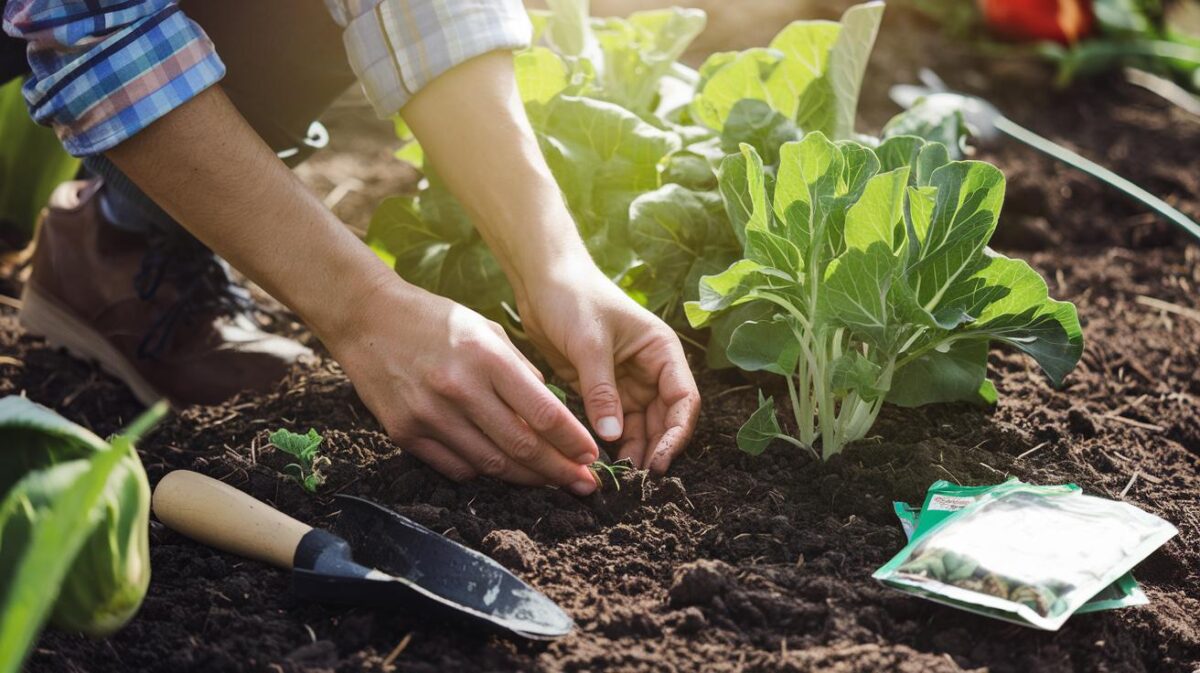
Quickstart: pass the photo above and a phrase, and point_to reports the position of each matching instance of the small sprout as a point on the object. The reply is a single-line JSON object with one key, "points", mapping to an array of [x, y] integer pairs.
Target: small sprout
{"points": [[614, 471], [304, 447], [558, 392]]}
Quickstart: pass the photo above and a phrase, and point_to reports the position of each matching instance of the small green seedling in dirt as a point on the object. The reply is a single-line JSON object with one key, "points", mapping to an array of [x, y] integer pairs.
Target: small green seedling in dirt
{"points": [[602, 466], [614, 471], [304, 448], [558, 392]]}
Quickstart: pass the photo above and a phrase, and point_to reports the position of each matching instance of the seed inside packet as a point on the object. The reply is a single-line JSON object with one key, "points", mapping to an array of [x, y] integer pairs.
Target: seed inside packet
{"points": [[1033, 555]]}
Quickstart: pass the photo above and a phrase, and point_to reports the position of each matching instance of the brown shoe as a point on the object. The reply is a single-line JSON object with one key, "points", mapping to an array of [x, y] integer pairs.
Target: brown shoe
{"points": [[164, 318]]}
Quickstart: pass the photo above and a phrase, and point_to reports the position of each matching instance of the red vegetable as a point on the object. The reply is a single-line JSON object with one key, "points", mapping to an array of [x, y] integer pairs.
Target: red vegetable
{"points": [[1065, 21]]}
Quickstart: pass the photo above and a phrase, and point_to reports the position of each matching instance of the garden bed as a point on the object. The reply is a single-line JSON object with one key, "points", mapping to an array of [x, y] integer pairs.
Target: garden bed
{"points": [[734, 562]]}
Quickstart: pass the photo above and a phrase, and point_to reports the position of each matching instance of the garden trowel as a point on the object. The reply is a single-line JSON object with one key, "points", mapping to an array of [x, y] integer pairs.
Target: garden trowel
{"points": [[988, 124], [371, 557]]}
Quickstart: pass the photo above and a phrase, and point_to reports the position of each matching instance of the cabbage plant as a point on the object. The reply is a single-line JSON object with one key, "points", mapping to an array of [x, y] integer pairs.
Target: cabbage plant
{"points": [[871, 271], [74, 526], [634, 139]]}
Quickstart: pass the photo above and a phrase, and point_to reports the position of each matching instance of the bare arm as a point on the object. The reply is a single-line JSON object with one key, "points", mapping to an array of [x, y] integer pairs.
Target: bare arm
{"points": [[204, 165], [445, 383]]}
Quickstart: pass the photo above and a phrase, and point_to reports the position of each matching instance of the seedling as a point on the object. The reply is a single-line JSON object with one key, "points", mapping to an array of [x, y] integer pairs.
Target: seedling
{"points": [[304, 447], [614, 471]]}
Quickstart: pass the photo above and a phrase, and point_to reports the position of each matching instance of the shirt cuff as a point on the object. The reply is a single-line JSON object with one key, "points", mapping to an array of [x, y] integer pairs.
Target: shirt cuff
{"points": [[400, 46], [124, 82]]}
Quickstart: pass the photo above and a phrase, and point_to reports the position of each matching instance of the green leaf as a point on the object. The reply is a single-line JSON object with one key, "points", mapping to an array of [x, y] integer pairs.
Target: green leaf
{"points": [[558, 392], [732, 286], [689, 169], [964, 215], [568, 30], [955, 375], [873, 218], [727, 79], [798, 87], [639, 51], [303, 447], [899, 151], [848, 63], [853, 372], [721, 329], [74, 518], [760, 429], [766, 345], [855, 293], [32, 164], [934, 123], [541, 75], [744, 188], [754, 123], [1009, 302], [680, 235], [603, 157]]}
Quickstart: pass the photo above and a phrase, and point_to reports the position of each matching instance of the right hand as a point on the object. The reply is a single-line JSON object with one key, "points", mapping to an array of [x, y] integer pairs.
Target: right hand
{"points": [[449, 386]]}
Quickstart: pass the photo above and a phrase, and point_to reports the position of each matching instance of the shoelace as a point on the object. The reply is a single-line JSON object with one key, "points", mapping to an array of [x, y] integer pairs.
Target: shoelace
{"points": [[203, 283]]}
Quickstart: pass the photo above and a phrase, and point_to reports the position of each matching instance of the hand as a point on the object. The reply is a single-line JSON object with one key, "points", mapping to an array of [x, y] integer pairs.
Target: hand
{"points": [[449, 386], [628, 365]]}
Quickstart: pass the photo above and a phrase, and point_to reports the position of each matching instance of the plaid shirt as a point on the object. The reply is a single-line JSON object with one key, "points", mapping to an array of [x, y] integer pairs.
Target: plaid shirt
{"points": [[105, 69]]}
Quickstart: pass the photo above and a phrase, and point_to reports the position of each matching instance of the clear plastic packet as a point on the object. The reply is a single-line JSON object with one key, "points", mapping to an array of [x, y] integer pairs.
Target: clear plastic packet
{"points": [[943, 499], [1026, 554]]}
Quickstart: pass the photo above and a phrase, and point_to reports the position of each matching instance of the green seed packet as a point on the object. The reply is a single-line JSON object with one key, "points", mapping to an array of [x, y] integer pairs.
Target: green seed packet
{"points": [[942, 570]]}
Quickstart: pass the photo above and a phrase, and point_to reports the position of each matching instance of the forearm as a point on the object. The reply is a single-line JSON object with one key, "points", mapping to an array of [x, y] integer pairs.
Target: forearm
{"points": [[205, 166], [472, 126]]}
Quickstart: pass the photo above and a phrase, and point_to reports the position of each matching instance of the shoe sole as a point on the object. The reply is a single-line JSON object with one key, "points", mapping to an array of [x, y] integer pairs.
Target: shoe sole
{"points": [[45, 317]]}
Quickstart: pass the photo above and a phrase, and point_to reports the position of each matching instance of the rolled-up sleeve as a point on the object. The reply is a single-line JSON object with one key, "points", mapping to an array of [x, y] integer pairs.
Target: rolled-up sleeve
{"points": [[396, 47], [105, 69]]}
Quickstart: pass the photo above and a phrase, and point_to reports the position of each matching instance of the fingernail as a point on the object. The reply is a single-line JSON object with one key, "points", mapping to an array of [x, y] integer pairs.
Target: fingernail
{"points": [[583, 487], [588, 457], [609, 428]]}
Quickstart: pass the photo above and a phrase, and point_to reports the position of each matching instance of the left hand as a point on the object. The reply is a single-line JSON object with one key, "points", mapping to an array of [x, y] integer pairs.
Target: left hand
{"points": [[628, 365]]}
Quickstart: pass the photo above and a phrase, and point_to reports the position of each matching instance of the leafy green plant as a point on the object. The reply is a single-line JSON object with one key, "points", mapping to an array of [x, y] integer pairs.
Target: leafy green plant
{"points": [[874, 267], [74, 526], [304, 448], [633, 138], [32, 164]]}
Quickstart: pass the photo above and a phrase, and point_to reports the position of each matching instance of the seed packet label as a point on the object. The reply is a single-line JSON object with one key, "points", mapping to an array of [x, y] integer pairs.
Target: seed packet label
{"points": [[948, 503]]}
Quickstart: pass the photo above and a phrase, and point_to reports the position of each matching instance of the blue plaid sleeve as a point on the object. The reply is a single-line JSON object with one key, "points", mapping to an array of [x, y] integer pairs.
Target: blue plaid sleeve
{"points": [[105, 69], [396, 47]]}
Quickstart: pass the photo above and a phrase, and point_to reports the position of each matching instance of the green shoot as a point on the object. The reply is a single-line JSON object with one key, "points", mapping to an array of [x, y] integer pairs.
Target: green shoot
{"points": [[304, 448]]}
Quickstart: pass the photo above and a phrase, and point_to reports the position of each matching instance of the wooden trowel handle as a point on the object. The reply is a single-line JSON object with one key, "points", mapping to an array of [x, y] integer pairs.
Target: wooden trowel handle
{"points": [[218, 515]]}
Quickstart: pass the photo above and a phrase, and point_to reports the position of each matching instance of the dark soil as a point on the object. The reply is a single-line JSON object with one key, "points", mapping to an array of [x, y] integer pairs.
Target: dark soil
{"points": [[733, 562]]}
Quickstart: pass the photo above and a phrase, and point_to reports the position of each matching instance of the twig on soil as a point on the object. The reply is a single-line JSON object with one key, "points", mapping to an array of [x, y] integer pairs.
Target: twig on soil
{"points": [[690, 341], [311, 634], [13, 362], [943, 469], [1002, 474], [1137, 424], [1168, 307], [11, 302], [80, 390], [727, 391], [1129, 485], [1034, 449], [391, 657]]}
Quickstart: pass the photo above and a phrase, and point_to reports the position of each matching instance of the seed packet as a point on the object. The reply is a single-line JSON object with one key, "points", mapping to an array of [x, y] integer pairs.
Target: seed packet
{"points": [[908, 515], [1025, 554], [944, 498]]}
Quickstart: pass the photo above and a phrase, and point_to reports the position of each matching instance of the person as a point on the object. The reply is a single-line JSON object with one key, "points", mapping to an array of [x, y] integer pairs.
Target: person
{"points": [[181, 111]]}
